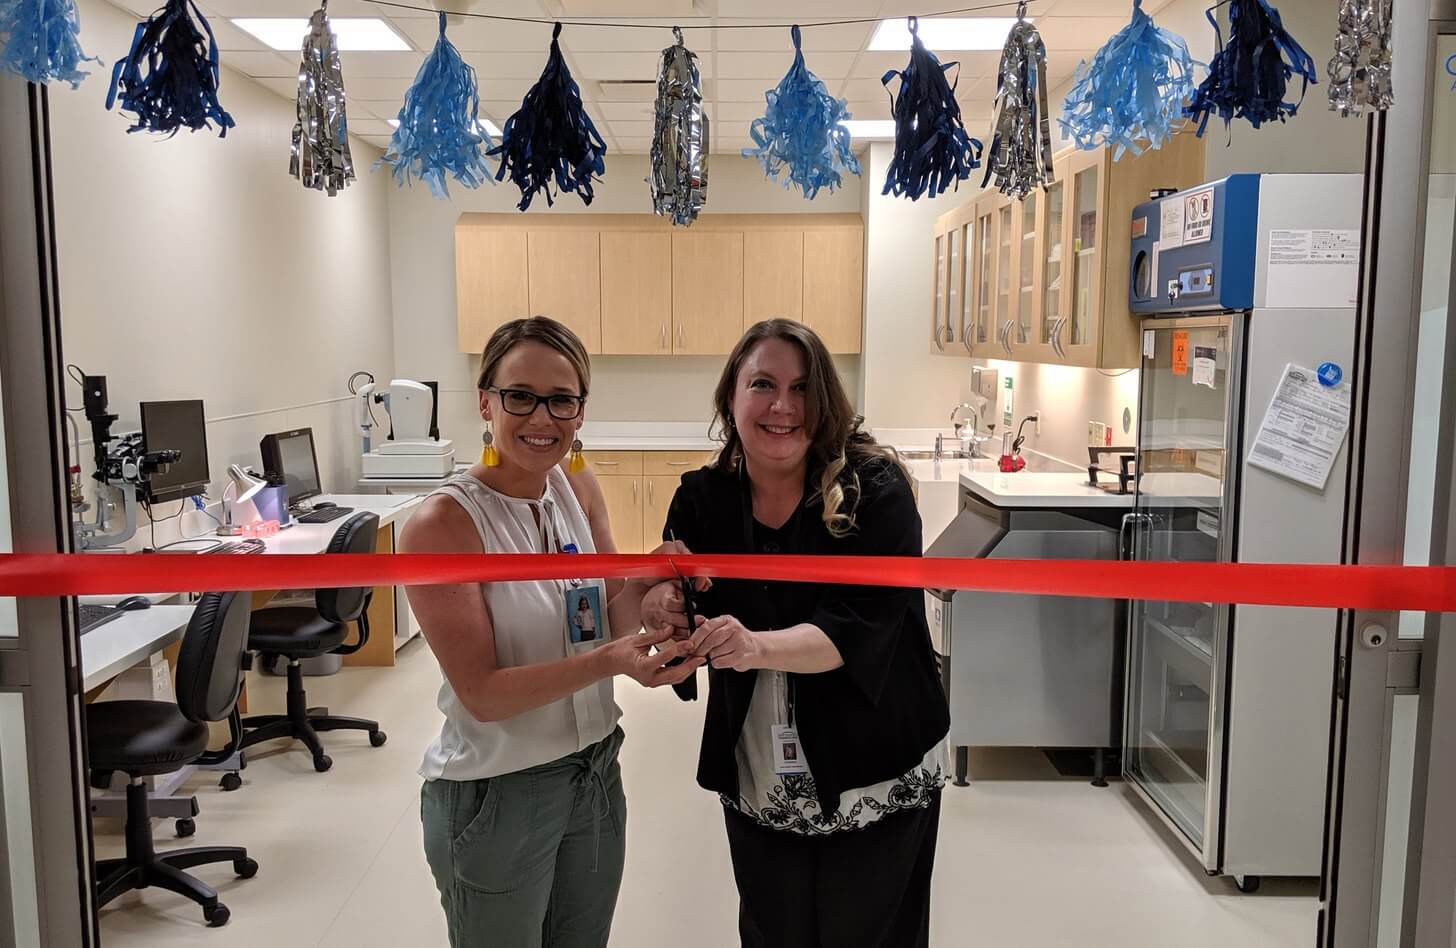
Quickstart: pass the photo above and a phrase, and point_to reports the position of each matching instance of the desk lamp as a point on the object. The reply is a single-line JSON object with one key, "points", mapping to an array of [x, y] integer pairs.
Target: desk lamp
{"points": [[245, 487]]}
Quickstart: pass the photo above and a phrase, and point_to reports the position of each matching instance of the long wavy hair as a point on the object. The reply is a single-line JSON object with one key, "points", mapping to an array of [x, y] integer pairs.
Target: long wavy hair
{"points": [[838, 447]]}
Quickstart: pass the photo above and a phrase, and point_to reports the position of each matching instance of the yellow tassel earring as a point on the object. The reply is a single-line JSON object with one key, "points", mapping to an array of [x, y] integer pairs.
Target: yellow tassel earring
{"points": [[577, 463], [489, 456]]}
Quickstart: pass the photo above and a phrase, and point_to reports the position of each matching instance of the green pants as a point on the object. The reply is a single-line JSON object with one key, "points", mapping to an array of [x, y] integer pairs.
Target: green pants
{"points": [[532, 858]]}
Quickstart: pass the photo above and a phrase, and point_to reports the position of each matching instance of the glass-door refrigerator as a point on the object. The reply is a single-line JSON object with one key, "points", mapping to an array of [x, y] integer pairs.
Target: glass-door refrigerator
{"points": [[1228, 707]]}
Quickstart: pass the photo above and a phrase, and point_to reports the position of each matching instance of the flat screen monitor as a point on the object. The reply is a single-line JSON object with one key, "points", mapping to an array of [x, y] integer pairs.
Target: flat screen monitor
{"points": [[291, 454], [177, 426]]}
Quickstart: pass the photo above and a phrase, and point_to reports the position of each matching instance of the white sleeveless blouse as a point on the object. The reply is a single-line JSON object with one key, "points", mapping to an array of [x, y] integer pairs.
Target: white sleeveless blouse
{"points": [[530, 623]]}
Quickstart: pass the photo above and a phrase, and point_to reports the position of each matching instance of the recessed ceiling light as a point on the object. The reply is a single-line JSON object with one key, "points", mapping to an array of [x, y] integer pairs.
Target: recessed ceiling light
{"points": [[946, 33], [487, 124], [870, 128], [353, 34]]}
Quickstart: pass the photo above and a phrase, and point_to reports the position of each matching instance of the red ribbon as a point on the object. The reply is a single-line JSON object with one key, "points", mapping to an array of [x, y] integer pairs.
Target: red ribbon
{"points": [[1412, 588]]}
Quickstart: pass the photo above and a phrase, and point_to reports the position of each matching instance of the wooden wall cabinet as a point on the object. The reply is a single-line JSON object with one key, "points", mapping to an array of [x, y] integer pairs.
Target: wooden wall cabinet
{"points": [[1047, 276], [634, 285]]}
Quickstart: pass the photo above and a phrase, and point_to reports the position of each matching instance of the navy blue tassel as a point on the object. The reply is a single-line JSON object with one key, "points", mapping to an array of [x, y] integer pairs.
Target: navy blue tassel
{"points": [[1249, 77], [41, 41], [439, 130], [551, 136], [932, 148], [169, 78], [802, 131]]}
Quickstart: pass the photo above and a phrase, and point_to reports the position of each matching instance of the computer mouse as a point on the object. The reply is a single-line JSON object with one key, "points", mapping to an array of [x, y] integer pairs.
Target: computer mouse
{"points": [[324, 503], [131, 603]]}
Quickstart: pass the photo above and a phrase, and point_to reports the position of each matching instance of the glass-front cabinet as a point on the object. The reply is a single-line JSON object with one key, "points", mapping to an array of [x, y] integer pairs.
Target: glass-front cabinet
{"points": [[983, 276], [964, 276], [937, 298], [1086, 181], [1026, 267]]}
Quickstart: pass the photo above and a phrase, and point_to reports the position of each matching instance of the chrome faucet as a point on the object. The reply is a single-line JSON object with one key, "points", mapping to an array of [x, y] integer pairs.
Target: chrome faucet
{"points": [[976, 440]]}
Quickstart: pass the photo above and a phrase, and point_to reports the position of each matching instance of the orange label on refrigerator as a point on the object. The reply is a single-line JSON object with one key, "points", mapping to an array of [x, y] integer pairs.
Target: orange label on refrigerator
{"points": [[1180, 352]]}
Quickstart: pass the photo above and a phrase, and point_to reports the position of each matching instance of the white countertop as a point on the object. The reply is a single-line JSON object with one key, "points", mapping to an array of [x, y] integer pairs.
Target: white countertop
{"points": [[1033, 489], [112, 648]]}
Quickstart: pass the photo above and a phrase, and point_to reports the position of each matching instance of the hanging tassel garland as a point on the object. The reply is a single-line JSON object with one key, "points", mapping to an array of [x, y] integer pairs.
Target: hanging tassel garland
{"points": [[551, 135], [1132, 94], [801, 131], [439, 131], [321, 158], [679, 156], [169, 79], [932, 149], [1249, 77], [1020, 156], [41, 41], [1360, 70]]}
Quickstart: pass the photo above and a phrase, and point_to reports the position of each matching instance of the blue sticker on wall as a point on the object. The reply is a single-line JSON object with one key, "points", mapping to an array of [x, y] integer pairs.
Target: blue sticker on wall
{"points": [[1330, 374]]}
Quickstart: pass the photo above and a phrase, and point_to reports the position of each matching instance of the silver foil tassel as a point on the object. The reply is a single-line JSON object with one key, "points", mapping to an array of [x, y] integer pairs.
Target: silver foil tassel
{"points": [[679, 166], [1359, 72], [1019, 157], [321, 158]]}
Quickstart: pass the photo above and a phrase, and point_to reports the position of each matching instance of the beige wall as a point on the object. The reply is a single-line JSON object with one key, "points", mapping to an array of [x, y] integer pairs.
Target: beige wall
{"points": [[624, 388], [195, 267]]}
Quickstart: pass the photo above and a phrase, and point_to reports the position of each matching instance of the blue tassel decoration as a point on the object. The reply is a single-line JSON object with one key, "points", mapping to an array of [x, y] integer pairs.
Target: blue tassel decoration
{"points": [[932, 148], [1249, 77], [551, 136], [801, 131], [41, 41], [439, 129], [1132, 94], [169, 79]]}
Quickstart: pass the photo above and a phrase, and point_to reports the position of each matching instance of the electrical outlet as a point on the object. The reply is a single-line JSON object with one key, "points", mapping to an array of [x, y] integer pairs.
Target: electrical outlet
{"points": [[1037, 415]]}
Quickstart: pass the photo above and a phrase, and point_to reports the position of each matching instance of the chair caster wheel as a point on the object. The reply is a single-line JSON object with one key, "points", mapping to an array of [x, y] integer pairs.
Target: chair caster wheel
{"points": [[217, 916], [322, 763], [230, 781], [245, 868], [377, 738], [1247, 883], [185, 827]]}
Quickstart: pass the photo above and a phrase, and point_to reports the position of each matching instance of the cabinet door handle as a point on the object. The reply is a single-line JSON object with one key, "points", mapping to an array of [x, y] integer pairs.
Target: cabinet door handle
{"points": [[939, 344], [649, 492], [678, 463], [634, 493], [681, 339], [606, 463], [663, 335], [966, 339]]}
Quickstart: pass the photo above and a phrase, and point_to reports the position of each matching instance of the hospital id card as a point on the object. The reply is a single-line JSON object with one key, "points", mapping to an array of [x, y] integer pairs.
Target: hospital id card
{"points": [[788, 753]]}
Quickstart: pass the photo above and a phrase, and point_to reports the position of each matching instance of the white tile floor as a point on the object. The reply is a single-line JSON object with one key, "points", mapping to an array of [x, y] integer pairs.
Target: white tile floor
{"points": [[1025, 858]]}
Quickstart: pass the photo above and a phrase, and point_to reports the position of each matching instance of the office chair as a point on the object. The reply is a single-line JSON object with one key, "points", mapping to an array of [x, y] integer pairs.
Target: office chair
{"points": [[147, 738], [299, 632]]}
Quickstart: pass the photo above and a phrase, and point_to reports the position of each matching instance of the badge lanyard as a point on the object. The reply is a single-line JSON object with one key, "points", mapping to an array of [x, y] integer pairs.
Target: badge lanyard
{"points": [[794, 543]]}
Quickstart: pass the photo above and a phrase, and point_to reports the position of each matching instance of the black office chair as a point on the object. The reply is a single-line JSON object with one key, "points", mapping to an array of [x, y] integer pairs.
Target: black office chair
{"points": [[147, 738], [299, 632]]}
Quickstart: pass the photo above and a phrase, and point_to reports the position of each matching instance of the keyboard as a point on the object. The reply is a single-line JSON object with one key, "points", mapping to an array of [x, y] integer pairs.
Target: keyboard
{"points": [[325, 514], [93, 615], [252, 545]]}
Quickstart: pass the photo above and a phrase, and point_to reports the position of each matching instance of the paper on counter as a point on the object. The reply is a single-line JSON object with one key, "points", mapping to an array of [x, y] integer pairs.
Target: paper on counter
{"points": [[1303, 429]]}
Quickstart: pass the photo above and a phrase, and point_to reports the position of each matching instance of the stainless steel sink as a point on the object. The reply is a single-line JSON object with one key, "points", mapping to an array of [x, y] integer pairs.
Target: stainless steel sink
{"points": [[956, 455]]}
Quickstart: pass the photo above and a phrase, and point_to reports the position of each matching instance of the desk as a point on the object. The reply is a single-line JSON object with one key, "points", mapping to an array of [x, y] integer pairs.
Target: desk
{"points": [[110, 649]]}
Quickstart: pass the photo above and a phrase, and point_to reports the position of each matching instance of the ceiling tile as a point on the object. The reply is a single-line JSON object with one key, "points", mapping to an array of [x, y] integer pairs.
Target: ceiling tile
{"points": [[229, 37], [625, 111], [774, 64], [742, 90], [1034, 8], [604, 39], [629, 64], [283, 8], [380, 109], [1117, 8], [847, 37], [862, 90], [739, 111], [498, 64], [870, 109], [256, 64], [375, 127], [803, 9], [631, 129], [873, 65], [473, 33], [381, 65], [635, 146], [1078, 32]]}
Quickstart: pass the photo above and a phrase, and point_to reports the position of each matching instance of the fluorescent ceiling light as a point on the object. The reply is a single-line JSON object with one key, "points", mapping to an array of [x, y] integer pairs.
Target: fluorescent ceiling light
{"points": [[353, 34], [946, 33], [870, 128], [487, 124]]}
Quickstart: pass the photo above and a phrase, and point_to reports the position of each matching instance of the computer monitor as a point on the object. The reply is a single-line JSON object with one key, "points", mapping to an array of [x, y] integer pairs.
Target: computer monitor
{"points": [[291, 455], [178, 426]]}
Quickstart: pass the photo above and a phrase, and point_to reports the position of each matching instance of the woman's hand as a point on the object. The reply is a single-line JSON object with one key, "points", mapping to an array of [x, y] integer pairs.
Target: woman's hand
{"points": [[727, 643], [663, 608], [633, 655], [671, 548]]}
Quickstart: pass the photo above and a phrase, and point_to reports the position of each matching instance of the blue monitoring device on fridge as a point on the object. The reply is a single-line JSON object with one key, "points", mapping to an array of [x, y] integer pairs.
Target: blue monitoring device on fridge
{"points": [[1194, 251]]}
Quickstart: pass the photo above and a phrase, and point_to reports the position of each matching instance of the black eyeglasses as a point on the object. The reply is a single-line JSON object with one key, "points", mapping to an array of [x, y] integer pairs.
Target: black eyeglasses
{"points": [[518, 401]]}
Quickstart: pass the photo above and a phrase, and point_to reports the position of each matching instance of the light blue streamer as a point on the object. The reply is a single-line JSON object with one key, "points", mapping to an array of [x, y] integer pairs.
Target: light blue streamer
{"points": [[41, 41], [802, 131], [1131, 95], [439, 130]]}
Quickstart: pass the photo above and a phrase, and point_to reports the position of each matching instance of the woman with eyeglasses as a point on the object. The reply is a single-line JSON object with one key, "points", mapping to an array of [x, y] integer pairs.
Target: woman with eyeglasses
{"points": [[825, 726], [523, 811]]}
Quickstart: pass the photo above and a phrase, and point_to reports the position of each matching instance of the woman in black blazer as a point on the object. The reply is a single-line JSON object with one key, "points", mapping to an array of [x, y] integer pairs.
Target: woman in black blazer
{"points": [[826, 718]]}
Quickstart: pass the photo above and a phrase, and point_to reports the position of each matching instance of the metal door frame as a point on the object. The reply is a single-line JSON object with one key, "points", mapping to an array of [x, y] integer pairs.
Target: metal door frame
{"points": [[1367, 678], [42, 663]]}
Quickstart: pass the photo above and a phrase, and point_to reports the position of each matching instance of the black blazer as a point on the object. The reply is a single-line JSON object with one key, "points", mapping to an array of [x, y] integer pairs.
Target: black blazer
{"points": [[871, 719]]}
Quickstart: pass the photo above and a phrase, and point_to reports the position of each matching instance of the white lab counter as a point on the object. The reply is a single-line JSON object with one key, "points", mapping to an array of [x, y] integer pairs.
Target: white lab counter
{"points": [[1040, 489]]}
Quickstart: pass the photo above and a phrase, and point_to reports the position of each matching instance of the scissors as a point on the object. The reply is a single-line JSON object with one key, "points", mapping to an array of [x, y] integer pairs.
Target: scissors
{"points": [[690, 605]]}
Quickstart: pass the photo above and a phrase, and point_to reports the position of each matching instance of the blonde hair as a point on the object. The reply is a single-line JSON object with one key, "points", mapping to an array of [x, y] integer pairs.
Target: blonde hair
{"points": [[838, 447], [542, 329]]}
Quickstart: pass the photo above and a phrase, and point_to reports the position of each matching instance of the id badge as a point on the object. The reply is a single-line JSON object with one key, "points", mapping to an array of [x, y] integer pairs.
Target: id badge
{"points": [[788, 753], [585, 623]]}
